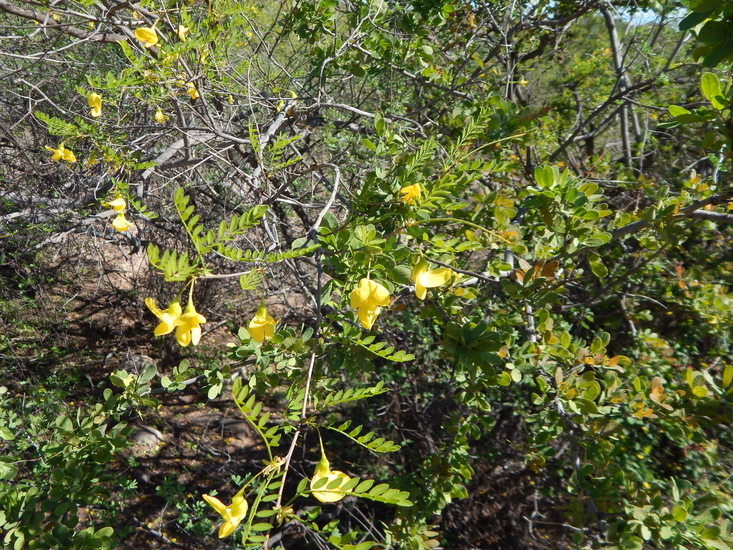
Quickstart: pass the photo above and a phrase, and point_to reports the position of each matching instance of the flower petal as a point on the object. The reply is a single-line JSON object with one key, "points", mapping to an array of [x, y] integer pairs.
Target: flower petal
{"points": [[226, 529], [367, 316], [217, 505], [262, 325], [118, 205], [187, 326], [420, 291], [435, 277], [95, 103], [147, 35], [330, 490], [410, 193], [120, 223]]}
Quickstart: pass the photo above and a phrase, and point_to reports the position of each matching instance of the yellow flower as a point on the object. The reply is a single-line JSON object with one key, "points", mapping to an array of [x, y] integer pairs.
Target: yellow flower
{"points": [[182, 32], [120, 223], [62, 153], [232, 514], [188, 330], [425, 279], [330, 490], [368, 299], [168, 318], [95, 103], [411, 193], [192, 92], [262, 325], [147, 35], [160, 117], [118, 205]]}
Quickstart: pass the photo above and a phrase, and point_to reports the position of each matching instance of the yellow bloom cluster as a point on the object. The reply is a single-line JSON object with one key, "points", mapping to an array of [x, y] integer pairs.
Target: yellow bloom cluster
{"points": [[232, 514], [368, 299], [262, 325], [425, 279], [62, 153], [411, 193], [329, 490], [185, 322], [160, 116], [119, 205], [147, 36], [95, 104], [191, 91]]}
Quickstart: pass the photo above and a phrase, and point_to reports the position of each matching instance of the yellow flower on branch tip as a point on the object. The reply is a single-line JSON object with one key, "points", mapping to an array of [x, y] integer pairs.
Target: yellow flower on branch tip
{"points": [[95, 103], [188, 330], [232, 514], [329, 490], [411, 193], [192, 91], [147, 35], [118, 205], [160, 117], [182, 32], [168, 318], [120, 223], [262, 325], [368, 299], [62, 153], [425, 279]]}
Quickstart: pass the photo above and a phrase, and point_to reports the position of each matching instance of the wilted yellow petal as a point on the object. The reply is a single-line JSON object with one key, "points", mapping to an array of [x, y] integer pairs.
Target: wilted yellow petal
{"points": [[182, 32], [160, 117], [191, 91]]}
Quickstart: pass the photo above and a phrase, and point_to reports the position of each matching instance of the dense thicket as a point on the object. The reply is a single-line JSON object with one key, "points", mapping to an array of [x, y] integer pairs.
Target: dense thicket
{"points": [[425, 274]]}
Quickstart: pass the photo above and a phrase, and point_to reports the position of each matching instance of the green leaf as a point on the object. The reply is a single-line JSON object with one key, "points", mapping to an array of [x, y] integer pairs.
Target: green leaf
{"points": [[147, 374], [703, 5], [693, 19], [586, 405], [727, 376], [722, 51], [64, 423], [710, 86], [679, 514], [545, 176], [8, 471], [596, 266]]}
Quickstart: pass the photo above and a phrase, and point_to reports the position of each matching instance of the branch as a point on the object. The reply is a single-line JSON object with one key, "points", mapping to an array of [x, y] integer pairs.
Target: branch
{"points": [[692, 211], [708, 215], [43, 19], [416, 78], [640, 87]]}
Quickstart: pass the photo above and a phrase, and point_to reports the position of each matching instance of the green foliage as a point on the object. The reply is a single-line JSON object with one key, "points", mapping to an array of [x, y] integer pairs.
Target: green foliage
{"points": [[556, 261]]}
